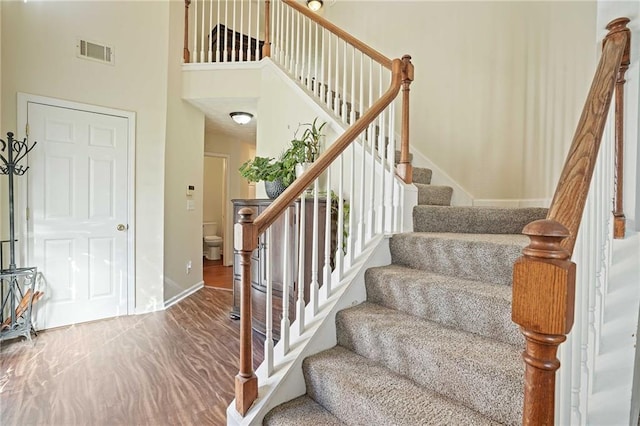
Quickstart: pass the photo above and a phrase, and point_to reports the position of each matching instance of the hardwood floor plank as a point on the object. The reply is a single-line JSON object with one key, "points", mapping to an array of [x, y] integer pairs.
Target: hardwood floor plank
{"points": [[170, 367]]}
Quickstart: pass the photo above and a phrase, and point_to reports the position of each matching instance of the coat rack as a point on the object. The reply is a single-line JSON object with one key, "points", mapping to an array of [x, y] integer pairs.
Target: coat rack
{"points": [[17, 285]]}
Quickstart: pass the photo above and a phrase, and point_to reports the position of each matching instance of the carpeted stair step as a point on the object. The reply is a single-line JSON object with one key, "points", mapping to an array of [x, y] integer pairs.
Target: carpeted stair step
{"points": [[434, 195], [422, 175], [479, 220], [479, 257], [300, 411], [360, 391], [472, 306], [480, 373]]}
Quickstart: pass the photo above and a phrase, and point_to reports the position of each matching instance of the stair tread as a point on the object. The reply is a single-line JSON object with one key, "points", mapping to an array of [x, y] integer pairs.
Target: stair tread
{"points": [[422, 175], [482, 308], [298, 411], [479, 257], [360, 391], [467, 219], [479, 372]]}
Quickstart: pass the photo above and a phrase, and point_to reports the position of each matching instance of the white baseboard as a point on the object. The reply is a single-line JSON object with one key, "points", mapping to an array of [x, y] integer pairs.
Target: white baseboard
{"points": [[532, 202], [185, 293]]}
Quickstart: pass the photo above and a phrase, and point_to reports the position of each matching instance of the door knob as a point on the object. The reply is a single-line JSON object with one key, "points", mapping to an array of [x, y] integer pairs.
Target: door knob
{"points": [[121, 227]]}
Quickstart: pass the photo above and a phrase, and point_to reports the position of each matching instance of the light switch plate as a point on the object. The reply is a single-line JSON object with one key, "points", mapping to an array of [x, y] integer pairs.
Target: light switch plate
{"points": [[191, 205]]}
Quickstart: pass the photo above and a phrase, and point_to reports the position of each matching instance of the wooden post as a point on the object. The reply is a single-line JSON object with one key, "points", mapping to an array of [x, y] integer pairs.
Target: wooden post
{"points": [[266, 47], [186, 56], [245, 241], [404, 168], [618, 25], [543, 304]]}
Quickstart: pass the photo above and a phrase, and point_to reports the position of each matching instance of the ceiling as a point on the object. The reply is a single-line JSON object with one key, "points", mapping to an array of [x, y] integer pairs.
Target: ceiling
{"points": [[217, 117]]}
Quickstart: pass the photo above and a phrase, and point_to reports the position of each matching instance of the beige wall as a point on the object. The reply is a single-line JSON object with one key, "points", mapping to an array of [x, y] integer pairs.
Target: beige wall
{"points": [[4, 221], [238, 151], [183, 167], [213, 192], [38, 41], [498, 85]]}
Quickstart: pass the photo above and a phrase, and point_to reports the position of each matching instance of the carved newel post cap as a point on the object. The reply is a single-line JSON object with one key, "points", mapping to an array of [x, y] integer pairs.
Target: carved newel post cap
{"points": [[245, 214], [546, 237], [10, 135], [618, 24]]}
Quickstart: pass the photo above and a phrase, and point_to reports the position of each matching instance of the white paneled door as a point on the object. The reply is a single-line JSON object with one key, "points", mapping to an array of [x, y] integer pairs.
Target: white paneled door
{"points": [[78, 184]]}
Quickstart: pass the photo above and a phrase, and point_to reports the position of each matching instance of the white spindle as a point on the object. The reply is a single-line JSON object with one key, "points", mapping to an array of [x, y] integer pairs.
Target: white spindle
{"points": [[286, 282], [195, 32], [291, 39], [381, 152], [224, 33], [247, 52], [313, 291], [329, 89], [326, 277], [372, 162], [309, 57], [297, 74], [339, 252], [218, 31], [268, 343], [258, 52], [234, 58], [322, 91], [301, 283], [209, 52], [391, 159], [343, 111], [351, 239], [336, 95], [304, 64], [352, 114], [315, 73]]}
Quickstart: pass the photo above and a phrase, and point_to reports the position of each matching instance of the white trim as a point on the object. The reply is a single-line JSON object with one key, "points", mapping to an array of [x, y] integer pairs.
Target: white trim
{"points": [[216, 66], [227, 249], [183, 294], [23, 101], [531, 202]]}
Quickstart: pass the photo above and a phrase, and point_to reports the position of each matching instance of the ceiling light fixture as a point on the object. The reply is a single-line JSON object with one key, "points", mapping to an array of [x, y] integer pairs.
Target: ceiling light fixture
{"points": [[314, 5], [241, 117]]}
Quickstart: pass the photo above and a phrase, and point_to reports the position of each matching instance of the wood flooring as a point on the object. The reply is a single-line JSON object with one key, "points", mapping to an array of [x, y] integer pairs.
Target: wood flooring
{"points": [[165, 368], [215, 274]]}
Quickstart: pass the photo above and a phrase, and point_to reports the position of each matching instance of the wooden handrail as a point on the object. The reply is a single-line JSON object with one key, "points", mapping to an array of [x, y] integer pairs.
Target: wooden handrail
{"points": [[246, 232], [363, 47], [544, 277], [275, 209]]}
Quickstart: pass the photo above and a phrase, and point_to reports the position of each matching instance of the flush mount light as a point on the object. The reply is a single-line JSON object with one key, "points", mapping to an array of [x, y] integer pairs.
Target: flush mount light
{"points": [[241, 117], [314, 5]]}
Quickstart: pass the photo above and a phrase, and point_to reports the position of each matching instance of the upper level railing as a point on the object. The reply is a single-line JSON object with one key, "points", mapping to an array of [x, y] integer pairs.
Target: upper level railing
{"points": [[544, 277], [326, 219]]}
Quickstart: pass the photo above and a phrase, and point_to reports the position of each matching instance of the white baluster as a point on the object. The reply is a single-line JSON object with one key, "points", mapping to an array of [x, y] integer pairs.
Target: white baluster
{"points": [[286, 282], [301, 284], [326, 277], [225, 57], [381, 152], [309, 84], [234, 58], [209, 52], [339, 251], [352, 114], [322, 90], [351, 241], [303, 64], [218, 21], [329, 73], [297, 74], [247, 52], [315, 73], [343, 110], [258, 52], [336, 95], [268, 343], [195, 31], [372, 162], [391, 159], [241, 50], [292, 39], [313, 293]]}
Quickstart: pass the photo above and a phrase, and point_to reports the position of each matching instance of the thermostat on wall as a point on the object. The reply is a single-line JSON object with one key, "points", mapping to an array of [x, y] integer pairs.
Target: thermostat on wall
{"points": [[190, 190]]}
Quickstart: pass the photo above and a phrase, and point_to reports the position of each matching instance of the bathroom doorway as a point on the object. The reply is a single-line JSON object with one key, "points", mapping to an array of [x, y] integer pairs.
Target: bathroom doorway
{"points": [[214, 217]]}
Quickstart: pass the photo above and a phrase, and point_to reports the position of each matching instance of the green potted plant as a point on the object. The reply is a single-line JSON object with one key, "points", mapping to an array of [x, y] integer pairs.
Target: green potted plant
{"points": [[306, 149], [276, 174]]}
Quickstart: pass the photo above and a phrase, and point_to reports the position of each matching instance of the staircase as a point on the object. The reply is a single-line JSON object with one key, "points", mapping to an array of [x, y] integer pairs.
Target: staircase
{"points": [[434, 342]]}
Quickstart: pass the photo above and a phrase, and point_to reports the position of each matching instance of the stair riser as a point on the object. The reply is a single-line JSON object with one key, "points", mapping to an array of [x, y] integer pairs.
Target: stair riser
{"points": [[492, 389], [434, 195], [481, 261], [449, 304], [473, 220]]}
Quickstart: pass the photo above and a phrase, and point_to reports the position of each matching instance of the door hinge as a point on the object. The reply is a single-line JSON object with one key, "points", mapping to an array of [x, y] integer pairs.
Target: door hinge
{"points": [[27, 213], [26, 129]]}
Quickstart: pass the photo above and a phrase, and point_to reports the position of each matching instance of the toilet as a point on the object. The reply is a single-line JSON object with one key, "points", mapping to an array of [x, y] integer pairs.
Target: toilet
{"points": [[212, 242]]}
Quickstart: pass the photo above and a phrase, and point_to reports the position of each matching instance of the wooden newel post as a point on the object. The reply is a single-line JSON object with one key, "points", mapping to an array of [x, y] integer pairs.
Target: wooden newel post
{"points": [[244, 242], [404, 169], [186, 56], [266, 48], [616, 26], [543, 305]]}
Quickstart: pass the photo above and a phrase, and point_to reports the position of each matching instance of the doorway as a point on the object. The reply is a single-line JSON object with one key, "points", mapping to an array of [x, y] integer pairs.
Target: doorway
{"points": [[215, 211], [79, 226]]}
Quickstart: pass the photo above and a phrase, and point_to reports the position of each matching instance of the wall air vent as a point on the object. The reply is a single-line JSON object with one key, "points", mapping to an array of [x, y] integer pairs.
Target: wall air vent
{"points": [[95, 51]]}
